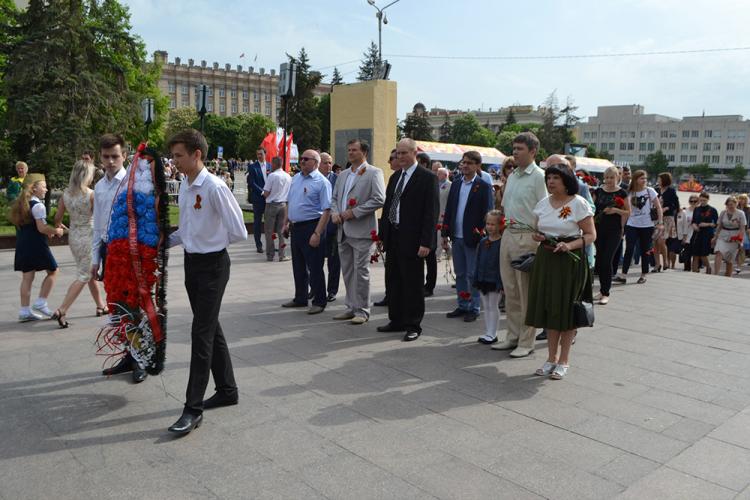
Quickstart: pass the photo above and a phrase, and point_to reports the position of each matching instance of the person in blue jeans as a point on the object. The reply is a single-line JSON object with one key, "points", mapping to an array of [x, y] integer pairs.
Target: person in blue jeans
{"points": [[257, 172], [469, 200]]}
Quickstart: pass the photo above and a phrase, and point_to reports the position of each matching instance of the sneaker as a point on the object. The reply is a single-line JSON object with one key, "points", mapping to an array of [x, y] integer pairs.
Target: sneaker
{"points": [[42, 310], [29, 316], [619, 279]]}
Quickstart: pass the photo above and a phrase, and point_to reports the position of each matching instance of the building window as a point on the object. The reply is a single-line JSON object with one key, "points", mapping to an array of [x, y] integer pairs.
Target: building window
{"points": [[683, 158], [256, 96], [233, 92], [706, 146], [740, 146], [730, 146], [684, 146], [268, 97], [210, 107], [603, 146], [663, 146], [729, 160], [717, 134], [221, 92], [693, 146], [670, 157], [245, 107], [672, 146], [623, 134], [715, 159], [586, 135], [611, 146], [172, 87], [222, 108], [245, 94], [210, 91], [234, 108], [685, 134], [641, 157], [695, 133], [593, 135], [651, 146], [631, 145], [256, 108], [268, 110], [693, 158], [623, 146], [173, 103], [708, 133], [706, 158], [717, 146], [185, 90], [664, 134], [739, 159], [185, 102], [642, 146]]}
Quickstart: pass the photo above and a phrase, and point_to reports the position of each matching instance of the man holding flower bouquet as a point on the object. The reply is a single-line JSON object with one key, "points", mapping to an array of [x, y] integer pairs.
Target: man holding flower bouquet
{"points": [[359, 192]]}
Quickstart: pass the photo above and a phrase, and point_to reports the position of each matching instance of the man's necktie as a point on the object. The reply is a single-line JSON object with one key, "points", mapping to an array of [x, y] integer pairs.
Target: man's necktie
{"points": [[396, 199]]}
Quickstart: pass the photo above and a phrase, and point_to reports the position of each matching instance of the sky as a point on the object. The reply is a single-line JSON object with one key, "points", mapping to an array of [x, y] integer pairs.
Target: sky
{"points": [[337, 32]]}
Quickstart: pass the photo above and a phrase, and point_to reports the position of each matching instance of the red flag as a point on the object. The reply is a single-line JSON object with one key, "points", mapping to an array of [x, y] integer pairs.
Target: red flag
{"points": [[289, 142], [269, 144]]}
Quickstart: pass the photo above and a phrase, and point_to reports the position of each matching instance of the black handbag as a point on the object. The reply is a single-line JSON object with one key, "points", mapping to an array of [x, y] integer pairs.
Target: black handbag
{"points": [[524, 262], [583, 307]]}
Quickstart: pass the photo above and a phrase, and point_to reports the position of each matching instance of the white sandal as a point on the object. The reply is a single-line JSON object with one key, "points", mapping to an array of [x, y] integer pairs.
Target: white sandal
{"points": [[559, 372], [546, 369], [604, 300]]}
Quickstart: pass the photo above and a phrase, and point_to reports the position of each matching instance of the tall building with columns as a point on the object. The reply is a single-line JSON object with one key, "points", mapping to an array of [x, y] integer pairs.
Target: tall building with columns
{"points": [[232, 90]]}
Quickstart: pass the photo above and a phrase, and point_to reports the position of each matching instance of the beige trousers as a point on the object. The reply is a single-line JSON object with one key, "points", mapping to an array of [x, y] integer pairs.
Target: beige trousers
{"points": [[516, 288]]}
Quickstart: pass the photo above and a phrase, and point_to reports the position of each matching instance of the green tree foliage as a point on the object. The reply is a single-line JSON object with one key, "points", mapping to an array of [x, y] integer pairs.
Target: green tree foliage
{"points": [[336, 79], [180, 119], [221, 131], [591, 152], [655, 164], [552, 135], [738, 173], [446, 130], [701, 171], [510, 118], [504, 142], [252, 130], [323, 105], [370, 66], [468, 130], [416, 127], [304, 120], [72, 71]]}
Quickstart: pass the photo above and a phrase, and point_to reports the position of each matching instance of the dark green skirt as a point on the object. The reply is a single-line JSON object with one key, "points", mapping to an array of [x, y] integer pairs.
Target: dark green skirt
{"points": [[555, 283]]}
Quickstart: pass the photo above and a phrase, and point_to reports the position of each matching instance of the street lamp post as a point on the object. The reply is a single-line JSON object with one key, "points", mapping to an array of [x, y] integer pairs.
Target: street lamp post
{"points": [[200, 104], [382, 19], [148, 113]]}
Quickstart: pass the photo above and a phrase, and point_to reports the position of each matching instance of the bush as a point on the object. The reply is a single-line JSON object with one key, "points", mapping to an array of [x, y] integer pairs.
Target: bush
{"points": [[51, 217]]}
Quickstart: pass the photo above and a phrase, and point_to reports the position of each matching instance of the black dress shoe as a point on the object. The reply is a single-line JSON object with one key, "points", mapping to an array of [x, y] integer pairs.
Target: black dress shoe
{"points": [[470, 316], [381, 303], [186, 423], [428, 293], [331, 297], [390, 327], [542, 335], [125, 365], [485, 341], [139, 374], [259, 249], [218, 400], [411, 336], [456, 313]]}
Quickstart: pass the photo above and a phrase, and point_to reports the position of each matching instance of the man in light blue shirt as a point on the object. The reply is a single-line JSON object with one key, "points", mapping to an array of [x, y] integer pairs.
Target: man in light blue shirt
{"points": [[309, 206]]}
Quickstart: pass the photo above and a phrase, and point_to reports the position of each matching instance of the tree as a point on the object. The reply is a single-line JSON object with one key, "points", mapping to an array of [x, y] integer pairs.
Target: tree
{"points": [[416, 127], [738, 173], [180, 119], [510, 118], [504, 142], [221, 131], [702, 171], [252, 129], [336, 79], [323, 108], [446, 130], [371, 63], [468, 130], [73, 70], [656, 163], [304, 119], [591, 152]]}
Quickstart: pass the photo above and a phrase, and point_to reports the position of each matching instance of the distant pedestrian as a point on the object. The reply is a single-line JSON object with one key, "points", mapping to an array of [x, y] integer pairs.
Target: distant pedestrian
{"points": [[612, 210], [705, 219], [276, 194], [15, 186], [257, 172], [29, 215], [730, 232], [333, 262]]}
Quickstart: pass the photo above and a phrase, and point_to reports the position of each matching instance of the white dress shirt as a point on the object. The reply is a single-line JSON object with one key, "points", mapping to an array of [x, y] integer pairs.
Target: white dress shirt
{"points": [[277, 186], [406, 174], [104, 196], [210, 218]]}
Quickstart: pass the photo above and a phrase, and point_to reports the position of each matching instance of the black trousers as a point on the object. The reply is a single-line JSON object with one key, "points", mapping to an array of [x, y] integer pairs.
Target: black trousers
{"points": [[206, 277], [608, 239], [431, 279], [642, 236], [404, 277], [333, 262], [307, 264]]}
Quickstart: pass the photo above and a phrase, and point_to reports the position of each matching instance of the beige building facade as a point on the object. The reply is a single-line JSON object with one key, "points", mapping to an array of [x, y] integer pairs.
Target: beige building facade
{"points": [[494, 120], [630, 134], [232, 90]]}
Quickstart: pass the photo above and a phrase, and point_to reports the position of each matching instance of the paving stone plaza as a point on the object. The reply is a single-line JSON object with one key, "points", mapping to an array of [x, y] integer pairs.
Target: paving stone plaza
{"points": [[656, 404]]}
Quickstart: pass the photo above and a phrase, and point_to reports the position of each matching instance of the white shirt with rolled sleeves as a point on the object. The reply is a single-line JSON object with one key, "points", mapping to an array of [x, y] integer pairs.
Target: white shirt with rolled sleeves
{"points": [[210, 217], [277, 186], [104, 196]]}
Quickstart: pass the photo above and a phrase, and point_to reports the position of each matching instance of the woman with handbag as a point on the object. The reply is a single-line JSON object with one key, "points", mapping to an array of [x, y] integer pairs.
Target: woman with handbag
{"points": [[560, 279], [640, 226]]}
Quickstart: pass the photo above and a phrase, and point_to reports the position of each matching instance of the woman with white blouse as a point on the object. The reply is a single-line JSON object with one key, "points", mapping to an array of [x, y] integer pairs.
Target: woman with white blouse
{"points": [[560, 276], [645, 216]]}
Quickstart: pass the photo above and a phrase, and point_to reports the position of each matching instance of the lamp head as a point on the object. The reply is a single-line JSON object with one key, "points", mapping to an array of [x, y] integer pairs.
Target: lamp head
{"points": [[385, 19], [371, 2]]}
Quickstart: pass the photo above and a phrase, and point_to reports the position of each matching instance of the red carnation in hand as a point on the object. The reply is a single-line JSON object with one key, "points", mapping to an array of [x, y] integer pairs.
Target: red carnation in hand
{"points": [[619, 201], [737, 238], [439, 227], [274, 236], [352, 202], [374, 258], [374, 235], [464, 295]]}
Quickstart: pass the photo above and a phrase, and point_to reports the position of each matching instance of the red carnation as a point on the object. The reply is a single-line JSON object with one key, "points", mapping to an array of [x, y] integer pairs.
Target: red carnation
{"points": [[274, 236], [619, 201], [737, 238], [374, 235], [439, 227], [283, 245], [464, 295], [352, 202], [141, 147]]}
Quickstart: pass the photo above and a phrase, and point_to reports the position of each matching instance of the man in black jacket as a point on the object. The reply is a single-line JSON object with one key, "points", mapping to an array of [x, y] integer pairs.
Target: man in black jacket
{"points": [[408, 232]]}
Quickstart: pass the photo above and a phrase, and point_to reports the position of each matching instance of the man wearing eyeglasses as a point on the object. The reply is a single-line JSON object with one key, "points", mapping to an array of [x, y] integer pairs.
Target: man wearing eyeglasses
{"points": [[309, 204], [408, 232]]}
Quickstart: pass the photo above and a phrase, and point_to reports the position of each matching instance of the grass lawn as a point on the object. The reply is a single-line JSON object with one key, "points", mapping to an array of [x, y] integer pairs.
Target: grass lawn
{"points": [[174, 219]]}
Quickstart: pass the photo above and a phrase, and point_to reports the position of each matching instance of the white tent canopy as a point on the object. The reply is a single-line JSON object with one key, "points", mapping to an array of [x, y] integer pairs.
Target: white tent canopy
{"points": [[454, 152]]}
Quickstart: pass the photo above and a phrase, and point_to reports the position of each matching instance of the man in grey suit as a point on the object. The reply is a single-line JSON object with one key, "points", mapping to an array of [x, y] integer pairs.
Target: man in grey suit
{"points": [[358, 194]]}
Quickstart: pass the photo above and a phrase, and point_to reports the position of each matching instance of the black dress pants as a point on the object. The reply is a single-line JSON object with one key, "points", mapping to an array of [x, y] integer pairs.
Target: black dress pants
{"points": [[206, 277], [608, 239], [404, 277], [641, 236], [431, 280]]}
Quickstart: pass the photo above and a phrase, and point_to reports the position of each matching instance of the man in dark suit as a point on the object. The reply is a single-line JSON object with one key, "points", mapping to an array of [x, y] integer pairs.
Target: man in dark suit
{"points": [[469, 201], [256, 180], [332, 246], [408, 232]]}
